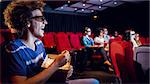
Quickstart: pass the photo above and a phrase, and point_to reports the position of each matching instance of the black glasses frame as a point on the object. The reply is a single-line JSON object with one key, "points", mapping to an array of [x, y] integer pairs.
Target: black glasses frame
{"points": [[39, 18], [88, 31]]}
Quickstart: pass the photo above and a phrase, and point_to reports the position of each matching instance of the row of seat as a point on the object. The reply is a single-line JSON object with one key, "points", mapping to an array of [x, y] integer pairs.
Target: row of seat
{"points": [[52, 39], [120, 51], [63, 41], [5, 34]]}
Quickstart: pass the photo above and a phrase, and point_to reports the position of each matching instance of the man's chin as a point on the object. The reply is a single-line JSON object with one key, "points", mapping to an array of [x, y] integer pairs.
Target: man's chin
{"points": [[40, 36]]}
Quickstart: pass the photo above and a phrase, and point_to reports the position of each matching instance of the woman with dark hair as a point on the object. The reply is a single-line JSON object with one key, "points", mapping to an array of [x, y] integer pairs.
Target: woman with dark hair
{"points": [[116, 36], [99, 37], [88, 42], [126, 35]]}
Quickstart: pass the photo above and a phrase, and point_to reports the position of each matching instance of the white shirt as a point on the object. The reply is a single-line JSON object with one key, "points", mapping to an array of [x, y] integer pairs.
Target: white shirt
{"points": [[99, 40]]}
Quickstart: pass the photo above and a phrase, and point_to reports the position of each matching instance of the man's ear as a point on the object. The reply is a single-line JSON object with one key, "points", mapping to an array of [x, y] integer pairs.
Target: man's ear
{"points": [[85, 32], [28, 24]]}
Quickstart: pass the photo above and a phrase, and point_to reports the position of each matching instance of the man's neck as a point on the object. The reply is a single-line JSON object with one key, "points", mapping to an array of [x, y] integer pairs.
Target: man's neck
{"points": [[29, 38]]}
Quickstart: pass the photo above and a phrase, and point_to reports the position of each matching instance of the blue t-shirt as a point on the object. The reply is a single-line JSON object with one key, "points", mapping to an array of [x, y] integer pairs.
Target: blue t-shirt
{"points": [[87, 41], [23, 61]]}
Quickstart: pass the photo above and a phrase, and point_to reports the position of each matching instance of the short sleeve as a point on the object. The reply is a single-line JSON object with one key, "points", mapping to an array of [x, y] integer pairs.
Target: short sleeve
{"points": [[15, 63], [84, 42]]}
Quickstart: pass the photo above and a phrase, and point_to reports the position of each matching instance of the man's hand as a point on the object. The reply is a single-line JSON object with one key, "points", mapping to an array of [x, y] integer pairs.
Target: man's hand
{"points": [[67, 55], [62, 58]]}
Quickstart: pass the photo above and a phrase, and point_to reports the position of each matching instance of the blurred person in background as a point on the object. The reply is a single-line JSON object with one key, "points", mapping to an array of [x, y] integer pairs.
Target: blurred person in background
{"points": [[99, 41], [106, 39]]}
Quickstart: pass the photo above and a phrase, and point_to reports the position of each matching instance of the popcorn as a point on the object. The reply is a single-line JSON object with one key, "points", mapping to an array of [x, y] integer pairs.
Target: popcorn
{"points": [[47, 62]]}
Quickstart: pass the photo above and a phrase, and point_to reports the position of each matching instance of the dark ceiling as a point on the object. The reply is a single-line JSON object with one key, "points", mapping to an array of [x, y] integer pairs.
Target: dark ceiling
{"points": [[86, 6], [79, 6], [56, 4]]}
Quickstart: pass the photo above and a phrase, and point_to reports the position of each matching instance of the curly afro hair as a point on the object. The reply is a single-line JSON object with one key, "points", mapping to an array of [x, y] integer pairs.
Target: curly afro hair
{"points": [[18, 14]]}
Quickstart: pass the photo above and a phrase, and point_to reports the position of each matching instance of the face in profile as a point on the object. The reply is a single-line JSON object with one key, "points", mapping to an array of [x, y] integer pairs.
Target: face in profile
{"points": [[38, 23], [132, 34], [105, 31], [101, 33], [88, 31], [116, 34], [137, 36]]}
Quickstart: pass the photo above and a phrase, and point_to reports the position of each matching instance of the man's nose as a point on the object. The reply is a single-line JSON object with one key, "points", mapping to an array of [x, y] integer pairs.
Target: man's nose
{"points": [[45, 21]]}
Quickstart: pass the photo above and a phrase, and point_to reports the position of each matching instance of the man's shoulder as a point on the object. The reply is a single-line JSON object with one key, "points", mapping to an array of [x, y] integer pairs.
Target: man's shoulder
{"points": [[85, 37], [14, 45]]}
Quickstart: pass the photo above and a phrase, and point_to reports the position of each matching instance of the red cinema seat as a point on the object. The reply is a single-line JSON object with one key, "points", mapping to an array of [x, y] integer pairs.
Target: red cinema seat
{"points": [[62, 42], [1, 38], [75, 41], [142, 39], [117, 55], [79, 34], [129, 62], [119, 38], [69, 33], [48, 40], [122, 58], [147, 40], [92, 35], [112, 40], [6, 35]]}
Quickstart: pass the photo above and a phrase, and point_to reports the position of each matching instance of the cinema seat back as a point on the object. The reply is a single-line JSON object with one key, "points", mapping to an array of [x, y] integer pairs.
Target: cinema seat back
{"points": [[142, 55], [62, 42], [117, 55], [129, 62], [49, 39], [75, 41]]}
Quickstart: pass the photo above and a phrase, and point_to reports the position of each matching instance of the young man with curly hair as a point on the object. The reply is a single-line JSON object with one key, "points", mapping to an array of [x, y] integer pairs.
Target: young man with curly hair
{"points": [[26, 53]]}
